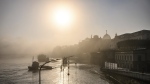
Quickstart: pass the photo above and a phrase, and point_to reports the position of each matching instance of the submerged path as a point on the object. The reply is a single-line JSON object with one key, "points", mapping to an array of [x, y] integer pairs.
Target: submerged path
{"points": [[78, 74], [15, 71]]}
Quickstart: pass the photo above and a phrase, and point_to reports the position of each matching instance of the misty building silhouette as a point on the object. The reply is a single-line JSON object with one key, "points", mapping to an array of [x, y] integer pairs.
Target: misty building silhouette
{"points": [[106, 36], [83, 49], [139, 35], [97, 50], [129, 51]]}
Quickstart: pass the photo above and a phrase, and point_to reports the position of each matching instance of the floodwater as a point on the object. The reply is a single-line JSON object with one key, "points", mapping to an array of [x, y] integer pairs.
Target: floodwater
{"points": [[15, 71]]}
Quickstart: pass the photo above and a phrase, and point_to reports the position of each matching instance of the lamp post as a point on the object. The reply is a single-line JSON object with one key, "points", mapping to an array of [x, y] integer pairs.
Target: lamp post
{"points": [[65, 61], [41, 68]]}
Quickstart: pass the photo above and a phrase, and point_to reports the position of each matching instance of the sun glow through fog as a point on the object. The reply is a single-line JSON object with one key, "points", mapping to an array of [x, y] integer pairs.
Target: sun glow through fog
{"points": [[62, 17]]}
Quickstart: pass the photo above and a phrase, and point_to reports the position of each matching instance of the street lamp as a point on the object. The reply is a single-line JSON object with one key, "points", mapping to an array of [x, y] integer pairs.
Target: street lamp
{"points": [[41, 68], [65, 61]]}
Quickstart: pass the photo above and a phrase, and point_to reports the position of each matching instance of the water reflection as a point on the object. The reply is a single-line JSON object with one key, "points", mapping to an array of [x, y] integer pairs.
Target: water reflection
{"points": [[15, 71]]}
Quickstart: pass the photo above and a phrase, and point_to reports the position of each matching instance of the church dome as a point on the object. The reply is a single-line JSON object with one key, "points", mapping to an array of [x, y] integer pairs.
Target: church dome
{"points": [[106, 36], [95, 37]]}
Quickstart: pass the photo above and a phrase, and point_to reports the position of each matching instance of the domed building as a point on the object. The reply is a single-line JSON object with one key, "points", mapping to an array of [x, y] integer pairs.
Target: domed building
{"points": [[95, 37], [106, 36]]}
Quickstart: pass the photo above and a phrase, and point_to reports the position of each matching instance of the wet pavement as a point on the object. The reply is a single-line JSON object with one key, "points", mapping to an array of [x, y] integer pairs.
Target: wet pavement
{"points": [[78, 74], [15, 71]]}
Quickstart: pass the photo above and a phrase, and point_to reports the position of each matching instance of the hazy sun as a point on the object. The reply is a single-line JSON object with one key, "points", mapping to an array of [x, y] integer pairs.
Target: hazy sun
{"points": [[62, 17]]}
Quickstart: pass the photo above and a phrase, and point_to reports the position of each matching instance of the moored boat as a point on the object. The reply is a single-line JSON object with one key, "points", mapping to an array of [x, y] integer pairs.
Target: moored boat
{"points": [[35, 66]]}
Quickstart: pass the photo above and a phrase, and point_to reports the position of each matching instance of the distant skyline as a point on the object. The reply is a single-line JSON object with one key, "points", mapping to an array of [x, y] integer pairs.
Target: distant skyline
{"points": [[27, 23]]}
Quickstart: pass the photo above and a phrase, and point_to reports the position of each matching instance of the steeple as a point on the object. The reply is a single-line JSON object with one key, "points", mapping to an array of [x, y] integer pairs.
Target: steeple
{"points": [[106, 31]]}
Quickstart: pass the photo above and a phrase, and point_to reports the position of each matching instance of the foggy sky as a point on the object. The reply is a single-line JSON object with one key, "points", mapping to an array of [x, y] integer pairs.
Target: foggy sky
{"points": [[24, 25]]}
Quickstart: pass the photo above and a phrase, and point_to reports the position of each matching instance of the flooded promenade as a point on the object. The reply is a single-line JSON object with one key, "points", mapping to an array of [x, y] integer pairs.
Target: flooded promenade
{"points": [[15, 71]]}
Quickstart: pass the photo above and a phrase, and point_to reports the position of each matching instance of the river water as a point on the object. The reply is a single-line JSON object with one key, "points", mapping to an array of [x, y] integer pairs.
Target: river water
{"points": [[15, 71]]}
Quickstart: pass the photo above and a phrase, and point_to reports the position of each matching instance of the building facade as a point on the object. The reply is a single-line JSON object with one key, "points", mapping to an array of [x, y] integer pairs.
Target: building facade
{"points": [[133, 55], [132, 60], [128, 51], [139, 35]]}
